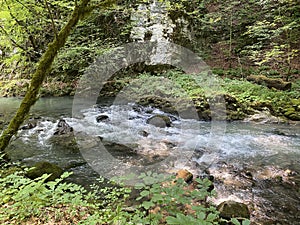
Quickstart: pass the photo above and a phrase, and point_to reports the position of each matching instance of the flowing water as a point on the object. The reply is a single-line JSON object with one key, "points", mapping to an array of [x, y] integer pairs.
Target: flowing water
{"points": [[258, 164]]}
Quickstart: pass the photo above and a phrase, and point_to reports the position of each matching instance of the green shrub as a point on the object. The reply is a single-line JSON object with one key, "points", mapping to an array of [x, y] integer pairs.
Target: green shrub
{"points": [[24, 200]]}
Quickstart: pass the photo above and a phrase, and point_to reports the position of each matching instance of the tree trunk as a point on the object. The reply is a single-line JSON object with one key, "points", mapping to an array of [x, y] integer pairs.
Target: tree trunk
{"points": [[38, 77]]}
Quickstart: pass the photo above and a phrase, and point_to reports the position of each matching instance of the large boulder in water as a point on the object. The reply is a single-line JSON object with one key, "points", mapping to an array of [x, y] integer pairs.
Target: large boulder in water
{"points": [[102, 118], [63, 138], [231, 209], [161, 121], [63, 128], [41, 168]]}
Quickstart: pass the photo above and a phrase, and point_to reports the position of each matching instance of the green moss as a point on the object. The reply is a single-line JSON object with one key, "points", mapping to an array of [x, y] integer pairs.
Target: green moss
{"points": [[231, 209], [242, 97]]}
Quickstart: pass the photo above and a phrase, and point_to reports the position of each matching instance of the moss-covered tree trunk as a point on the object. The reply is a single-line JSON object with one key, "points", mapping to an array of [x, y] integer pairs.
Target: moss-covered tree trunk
{"points": [[43, 68]]}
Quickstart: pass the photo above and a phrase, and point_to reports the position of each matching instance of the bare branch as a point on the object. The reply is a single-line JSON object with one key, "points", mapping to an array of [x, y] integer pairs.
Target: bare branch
{"points": [[12, 40], [29, 8]]}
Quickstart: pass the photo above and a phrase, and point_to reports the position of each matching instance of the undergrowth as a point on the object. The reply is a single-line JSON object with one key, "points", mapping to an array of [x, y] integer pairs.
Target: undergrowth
{"points": [[160, 200]]}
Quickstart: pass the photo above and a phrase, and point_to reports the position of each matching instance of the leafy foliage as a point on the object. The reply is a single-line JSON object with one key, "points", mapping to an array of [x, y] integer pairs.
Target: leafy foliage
{"points": [[176, 202], [229, 34], [38, 201], [22, 198], [26, 29]]}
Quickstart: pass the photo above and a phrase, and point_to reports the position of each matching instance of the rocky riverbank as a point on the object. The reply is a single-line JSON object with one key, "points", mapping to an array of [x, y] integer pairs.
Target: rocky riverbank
{"points": [[243, 100]]}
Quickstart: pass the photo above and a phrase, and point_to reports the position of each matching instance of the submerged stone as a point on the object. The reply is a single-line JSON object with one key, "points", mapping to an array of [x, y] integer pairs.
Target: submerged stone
{"points": [[144, 133]]}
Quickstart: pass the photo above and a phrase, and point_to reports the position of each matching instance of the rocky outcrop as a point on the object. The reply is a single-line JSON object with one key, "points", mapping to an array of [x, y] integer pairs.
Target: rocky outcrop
{"points": [[63, 128], [277, 83], [264, 117], [165, 105]]}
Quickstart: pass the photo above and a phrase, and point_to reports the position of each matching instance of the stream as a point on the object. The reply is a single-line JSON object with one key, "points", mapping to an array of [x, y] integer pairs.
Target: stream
{"points": [[258, 164]]}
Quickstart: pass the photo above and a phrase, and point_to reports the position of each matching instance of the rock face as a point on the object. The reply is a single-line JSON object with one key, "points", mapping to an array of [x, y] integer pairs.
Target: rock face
{"points": [[63, 128], [278, 84], [161, 121], [41, 168], [232, 209]]}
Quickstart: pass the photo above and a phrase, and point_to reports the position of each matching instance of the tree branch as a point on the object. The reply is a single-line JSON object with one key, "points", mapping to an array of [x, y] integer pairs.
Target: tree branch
{"points": [[52, 19], [43, 69], [104, 4], [12, 40]]}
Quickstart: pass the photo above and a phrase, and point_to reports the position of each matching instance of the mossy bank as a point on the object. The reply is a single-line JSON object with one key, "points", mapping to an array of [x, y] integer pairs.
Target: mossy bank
{"points": [[174, 91]]}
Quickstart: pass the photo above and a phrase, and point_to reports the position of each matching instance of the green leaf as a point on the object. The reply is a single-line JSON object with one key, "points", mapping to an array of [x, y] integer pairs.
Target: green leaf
{"points": [[172, 220], [235, 221], [147, 205], [246, 222], [144, 193], [139, 186]]}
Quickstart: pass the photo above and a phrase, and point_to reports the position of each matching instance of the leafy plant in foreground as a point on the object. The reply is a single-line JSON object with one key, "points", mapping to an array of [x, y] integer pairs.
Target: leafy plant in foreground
{"points": [[161, 200]]}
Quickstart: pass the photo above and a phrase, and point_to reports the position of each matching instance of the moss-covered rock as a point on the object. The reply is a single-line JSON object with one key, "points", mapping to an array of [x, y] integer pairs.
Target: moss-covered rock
{"points": [[277, 83], [111, 88], [292, 111], [161, 121], [231, 209], [293, 115], [165, 105], [41, 168]]}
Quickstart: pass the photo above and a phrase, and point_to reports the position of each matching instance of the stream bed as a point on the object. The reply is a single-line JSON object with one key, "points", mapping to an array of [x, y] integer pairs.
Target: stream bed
{"points": [[258, 164]]}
